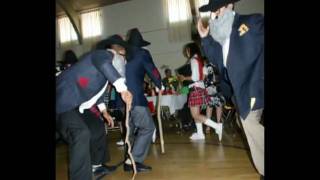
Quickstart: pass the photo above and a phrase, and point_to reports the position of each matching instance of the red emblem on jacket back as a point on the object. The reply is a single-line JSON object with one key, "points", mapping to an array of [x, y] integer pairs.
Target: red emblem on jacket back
{"points": [[83, 82]]}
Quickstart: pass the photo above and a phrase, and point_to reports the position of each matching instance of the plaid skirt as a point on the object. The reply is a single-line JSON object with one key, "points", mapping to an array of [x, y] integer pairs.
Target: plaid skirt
{"points": [[198, 97]]}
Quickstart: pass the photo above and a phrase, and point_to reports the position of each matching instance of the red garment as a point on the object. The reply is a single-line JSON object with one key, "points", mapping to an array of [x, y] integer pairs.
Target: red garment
{"points": [[200, 62], [167, 92], [95, 111], [198, 97], [151, 107]]}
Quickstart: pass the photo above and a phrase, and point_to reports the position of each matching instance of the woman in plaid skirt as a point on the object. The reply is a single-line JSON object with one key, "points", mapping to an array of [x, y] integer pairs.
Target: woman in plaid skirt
{"points": [[212, 86], [198, 95]]}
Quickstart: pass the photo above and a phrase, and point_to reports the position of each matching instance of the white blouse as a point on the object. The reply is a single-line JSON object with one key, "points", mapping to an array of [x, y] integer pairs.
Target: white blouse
{"points": [[195, 76]]}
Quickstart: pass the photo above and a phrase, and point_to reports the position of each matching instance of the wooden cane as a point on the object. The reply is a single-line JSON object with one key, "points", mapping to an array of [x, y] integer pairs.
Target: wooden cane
{"points": [[160, 123], [128, 143]]}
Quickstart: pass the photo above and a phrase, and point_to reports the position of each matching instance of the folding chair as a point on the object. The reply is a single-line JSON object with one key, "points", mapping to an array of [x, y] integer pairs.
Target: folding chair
{"points": [[116, 125], [170, 118], [229, 118], [228, 113]]}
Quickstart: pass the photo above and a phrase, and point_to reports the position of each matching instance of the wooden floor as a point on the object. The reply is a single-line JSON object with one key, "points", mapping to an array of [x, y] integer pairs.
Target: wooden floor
{"points": [[183, 160]]}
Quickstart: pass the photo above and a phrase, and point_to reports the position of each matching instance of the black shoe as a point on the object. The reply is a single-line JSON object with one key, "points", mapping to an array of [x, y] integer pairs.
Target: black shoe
{"points": [[110, 168], [103, 170], [140, 167]]}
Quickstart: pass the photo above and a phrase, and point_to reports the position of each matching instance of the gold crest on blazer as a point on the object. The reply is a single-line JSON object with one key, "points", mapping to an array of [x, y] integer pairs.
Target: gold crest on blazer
{"points": [[243, 29]]}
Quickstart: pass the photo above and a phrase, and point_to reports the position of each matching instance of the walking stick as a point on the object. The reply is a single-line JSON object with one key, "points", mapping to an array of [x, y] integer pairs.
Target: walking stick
{"points": [[160, 123], [128, 143]]}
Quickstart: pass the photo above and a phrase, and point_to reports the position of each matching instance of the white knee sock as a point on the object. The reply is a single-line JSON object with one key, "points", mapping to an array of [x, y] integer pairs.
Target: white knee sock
{"points": [[211, 123], [199, 128]]}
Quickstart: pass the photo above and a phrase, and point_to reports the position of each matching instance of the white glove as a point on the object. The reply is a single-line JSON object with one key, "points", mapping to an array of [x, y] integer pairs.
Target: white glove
{"points": [[162, 88]]}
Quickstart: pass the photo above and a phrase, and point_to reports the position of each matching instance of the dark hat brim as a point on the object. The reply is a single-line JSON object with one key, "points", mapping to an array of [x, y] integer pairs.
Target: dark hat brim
{"points": [[141, 43], [205, 8], [135, 38], [108, 42], [145, 43], [215, 6]]}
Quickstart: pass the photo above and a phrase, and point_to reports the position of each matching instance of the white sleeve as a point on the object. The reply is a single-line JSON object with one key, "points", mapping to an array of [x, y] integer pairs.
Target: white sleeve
{"points": [[101, 107], [120, 85], [194, 70]]}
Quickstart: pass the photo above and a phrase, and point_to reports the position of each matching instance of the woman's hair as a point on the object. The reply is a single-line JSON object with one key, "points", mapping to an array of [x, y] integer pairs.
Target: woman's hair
{"points": [[193, 48], [70, 57], [167, 70]]}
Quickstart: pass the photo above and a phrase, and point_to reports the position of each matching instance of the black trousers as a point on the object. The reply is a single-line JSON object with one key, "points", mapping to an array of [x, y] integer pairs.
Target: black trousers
{"points": [[119, 115], [186, 117], [86, 137], [99, 149]]}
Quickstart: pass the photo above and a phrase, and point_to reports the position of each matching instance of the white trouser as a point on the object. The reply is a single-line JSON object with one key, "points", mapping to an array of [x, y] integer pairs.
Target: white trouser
{"points": [[255, 136]]}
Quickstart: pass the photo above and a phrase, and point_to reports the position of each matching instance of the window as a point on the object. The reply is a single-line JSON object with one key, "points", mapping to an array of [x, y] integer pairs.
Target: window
{"points": [[179, 20], [91, 24], [198, 4], [179, 10], [66, 30]]}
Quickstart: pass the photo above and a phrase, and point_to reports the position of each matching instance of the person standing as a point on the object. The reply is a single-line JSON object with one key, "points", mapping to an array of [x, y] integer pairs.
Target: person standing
{"points": [[139, 63], [78, 88], [235, 43]]}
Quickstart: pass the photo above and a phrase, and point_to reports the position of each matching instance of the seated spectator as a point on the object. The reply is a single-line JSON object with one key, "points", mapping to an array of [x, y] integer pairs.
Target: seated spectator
{"points": [[170, 82]]}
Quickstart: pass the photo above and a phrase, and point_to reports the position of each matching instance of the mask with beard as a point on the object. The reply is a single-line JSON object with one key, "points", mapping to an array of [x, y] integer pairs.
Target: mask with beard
{"points": [[220, 29], [118, 62]]}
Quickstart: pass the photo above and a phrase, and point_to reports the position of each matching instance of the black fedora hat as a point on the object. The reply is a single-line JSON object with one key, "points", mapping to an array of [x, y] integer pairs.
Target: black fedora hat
{"points": [[214, 5], [114, 39], [135, 38]]}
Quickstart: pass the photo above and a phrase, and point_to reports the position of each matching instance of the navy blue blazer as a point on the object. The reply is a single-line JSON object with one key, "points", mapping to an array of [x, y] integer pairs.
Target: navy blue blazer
{"points": [[85, 79], [139, 64], [244, 74]]}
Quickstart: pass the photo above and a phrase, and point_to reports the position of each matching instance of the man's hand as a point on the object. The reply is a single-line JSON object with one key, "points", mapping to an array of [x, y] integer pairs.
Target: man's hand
{"points": [[183, 78], [203, 32], [109, 119], [127, 97]]}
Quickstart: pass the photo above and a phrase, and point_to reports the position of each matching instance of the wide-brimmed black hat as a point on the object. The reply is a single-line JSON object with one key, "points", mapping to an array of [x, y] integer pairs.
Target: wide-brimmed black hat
{"points": [[114, 39], [135, 38], [214, 5]]}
